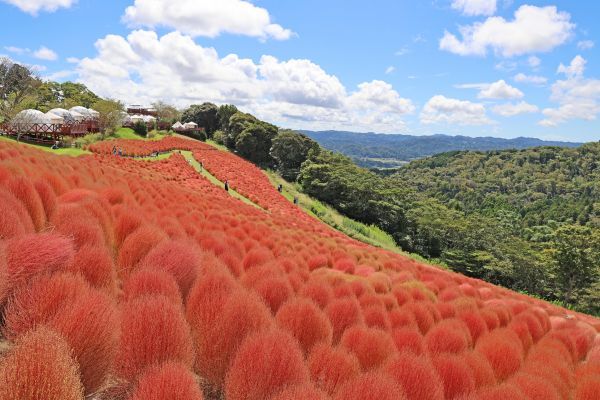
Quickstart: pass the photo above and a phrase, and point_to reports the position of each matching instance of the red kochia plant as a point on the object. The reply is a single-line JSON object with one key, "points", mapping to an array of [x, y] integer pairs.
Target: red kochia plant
{"points": [[587, 389], [154, 330], [177, 258], [502, 392], [371, 346], [85, 317], [40, 366], [300, 392], [503, 350], [448, 336], [241, 314], [330, 367], [136, 246], [23, 189], [96, 265], [456, 376], [14, 218], [30, 255], [151, 282], [274, 291], [370, 386], [320, 292], [256, 257], [167, 381], [265, 363], [47, 196], [306, 322], [416, 375], [534, 387], [408, 340], [343, 313]]}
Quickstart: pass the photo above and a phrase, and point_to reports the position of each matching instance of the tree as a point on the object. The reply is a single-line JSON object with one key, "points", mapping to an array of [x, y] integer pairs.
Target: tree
{"points": [[576, 255], [140, 128], [254, 142], [205, 115], [225, 112], [110, 115], [290, 149], [17, 83], [166, 112]]}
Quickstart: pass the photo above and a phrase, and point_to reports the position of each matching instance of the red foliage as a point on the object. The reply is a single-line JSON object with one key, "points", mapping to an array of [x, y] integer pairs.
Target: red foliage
{"points": [[534, 388], [417, 377], [85, 317], [481, 369], [371, 346], [456, 376], [449, 336], [587, 389], [376, 317], [274, 291], [256, 257], [40, 366], [151, 282], [153, 330], [370, 386], [266, 363], [475, 323], [503, 350], [343, 313], [502, 392], [25, 192], [136, 246], [422, 316], [300, 392], [408, 340], [14, 218], [30, 255], [47, 196], [167, 381], [306, 322], [96, 265], [330, 367]]}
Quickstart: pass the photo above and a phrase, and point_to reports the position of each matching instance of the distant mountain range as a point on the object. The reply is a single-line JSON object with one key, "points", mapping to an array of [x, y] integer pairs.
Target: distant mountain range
{"points": [[385, 151]]}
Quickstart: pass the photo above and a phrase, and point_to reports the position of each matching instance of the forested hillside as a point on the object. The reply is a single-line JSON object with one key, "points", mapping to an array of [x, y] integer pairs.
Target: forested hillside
{"points": [[374, 150], [527, 219]]}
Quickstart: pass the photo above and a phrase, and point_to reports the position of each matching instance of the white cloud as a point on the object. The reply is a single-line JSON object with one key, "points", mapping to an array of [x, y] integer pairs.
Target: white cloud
{"points": [[577, 96], [33, 7], [44, 53], [574, 69], [500, 90], [585, 45], [534, 29], [440, 109], [206, 18], [510, 109], [475, 7], [73, 60], [58, 75], [533, 79], [296, 93], [16, 50], [390, 69], [534, 61]]}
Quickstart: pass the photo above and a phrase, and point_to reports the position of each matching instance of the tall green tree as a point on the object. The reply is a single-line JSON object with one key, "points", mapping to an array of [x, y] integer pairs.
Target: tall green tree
{"points": [[17, 85], [226, 111], [290, 149], [111, 115], [205, 115]]}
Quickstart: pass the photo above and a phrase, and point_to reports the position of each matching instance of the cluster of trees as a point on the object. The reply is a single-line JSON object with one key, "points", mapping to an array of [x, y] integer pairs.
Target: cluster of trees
{"points": [[528, 219]]}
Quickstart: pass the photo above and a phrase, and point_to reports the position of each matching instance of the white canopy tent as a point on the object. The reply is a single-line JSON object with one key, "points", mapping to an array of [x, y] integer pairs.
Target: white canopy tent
{"points": [[177, 126], [66, 115], [86, 113], [55, 119], [190, 125]]}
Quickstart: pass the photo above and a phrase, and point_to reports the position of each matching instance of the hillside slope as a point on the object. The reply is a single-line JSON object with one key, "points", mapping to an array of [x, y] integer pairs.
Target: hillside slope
{"points": [[152, 283], [380, 150]]}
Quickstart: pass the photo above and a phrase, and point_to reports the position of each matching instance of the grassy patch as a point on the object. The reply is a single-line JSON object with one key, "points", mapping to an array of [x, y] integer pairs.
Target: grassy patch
{"points": [[128, 133], [72, 152]]}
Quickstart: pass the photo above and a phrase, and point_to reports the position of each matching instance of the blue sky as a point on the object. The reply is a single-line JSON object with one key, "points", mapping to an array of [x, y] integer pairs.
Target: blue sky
{"points": [[474, 67]]}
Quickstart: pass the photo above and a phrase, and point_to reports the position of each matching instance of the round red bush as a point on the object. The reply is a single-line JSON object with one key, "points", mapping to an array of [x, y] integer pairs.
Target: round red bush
{"points": [[151, 282], [153, 330], [14, 218], [96, 265], [167, 381], [300, 392], [343, 313], [502, 392], [448, 336], [22, 188], [408, 340], [330, 367], [136, 246], [587, 389], [534, 387], [265, 363], [40, 366], [371, 346], [370, 386], [306, 322], [417, 377], [502, 348], [455, 374]]}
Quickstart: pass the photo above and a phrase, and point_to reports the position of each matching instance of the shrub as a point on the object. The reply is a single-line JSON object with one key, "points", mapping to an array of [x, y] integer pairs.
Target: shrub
{"points": [[306, 322], [319, 292], [502, 392], [167, 381], [14, 218], [177, 258], [74, 221], [587, 389], [140, 128], [40, 366], [370, 386], [96, 265], [25, 192], [448, 336], [136, 246], [417, 377], [265, 363], [534, 388], [330, 367], [125, 224], [217, 342], [422, 315], [481, 369], [343, 313], [408, 340], [371, 346], [47, 196], [52, 253], [151, 282], [256, 257], [475, 323], [85, 317], [376, 317], [502, 348], [456, 376], [274, 291], [153, 330], [300, 392]]}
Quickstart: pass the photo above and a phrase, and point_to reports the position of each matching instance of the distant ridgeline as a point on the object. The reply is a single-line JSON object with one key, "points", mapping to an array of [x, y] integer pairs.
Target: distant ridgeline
{"points": [[374, 150]]}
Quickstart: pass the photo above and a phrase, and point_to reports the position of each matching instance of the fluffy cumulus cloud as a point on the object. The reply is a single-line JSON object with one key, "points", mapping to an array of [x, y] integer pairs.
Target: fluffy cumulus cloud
{"points": [[585, 45], [206, 18], [475, 7], [577, 97], [44, 53], [441, 109], [510, 109], [500, 90], [533, 29], [144, 67], [33, 7], [533, 79]]}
